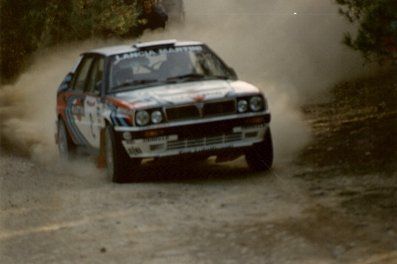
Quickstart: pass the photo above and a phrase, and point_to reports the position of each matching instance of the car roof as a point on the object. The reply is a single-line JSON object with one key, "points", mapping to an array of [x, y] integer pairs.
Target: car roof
{"points": [[114, 50]]}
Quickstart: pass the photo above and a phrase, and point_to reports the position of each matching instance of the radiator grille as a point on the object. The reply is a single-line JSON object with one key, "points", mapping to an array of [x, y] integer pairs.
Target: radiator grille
{"points": [[183, 112], [201, 110], [219, 108]]}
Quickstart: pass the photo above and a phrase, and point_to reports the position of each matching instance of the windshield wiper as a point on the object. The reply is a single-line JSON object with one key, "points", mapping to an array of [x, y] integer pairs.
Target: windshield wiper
{"points": [[220, 77], [187, 77], [196, 76], [134, 82]]}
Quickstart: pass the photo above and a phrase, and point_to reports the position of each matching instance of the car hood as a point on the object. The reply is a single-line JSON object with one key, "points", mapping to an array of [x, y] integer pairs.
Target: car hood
{"points": [[185, 93]]}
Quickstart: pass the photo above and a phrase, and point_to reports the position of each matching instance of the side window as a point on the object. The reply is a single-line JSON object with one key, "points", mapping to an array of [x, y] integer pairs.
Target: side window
{"points": [[95, 78], [82, 74]]}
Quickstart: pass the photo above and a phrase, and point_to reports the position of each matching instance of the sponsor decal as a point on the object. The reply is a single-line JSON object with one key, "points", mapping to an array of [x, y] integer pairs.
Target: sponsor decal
{"points": [[70, 112], [149, 53], [205, 148], [78, 108], [91, 102]]}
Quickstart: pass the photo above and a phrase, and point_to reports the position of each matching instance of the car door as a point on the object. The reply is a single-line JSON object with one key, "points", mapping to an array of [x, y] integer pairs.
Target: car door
{"points": [[93, 106], [76, 109]]}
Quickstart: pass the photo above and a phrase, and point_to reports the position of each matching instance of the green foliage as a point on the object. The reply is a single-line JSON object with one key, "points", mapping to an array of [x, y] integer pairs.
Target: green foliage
{"points": [[121, 25], [376, 37], [17, 43], [29, 25]]}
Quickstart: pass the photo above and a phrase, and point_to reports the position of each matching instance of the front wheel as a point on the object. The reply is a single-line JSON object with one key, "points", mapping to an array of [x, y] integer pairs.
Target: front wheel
{"points": [[260, 156], [119, 166]]}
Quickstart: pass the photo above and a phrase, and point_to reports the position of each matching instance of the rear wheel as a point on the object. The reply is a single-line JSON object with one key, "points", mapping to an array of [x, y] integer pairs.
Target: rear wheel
{"points": [[66, 146], [119, 166], [260, 156]]}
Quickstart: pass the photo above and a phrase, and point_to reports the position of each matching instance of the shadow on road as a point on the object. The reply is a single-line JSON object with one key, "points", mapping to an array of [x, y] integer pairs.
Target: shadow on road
{"points": [[170, 171]]}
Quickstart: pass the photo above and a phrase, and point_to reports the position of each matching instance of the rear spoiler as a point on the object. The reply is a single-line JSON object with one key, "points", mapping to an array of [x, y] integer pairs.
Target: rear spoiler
{"points": [[155, 44]]}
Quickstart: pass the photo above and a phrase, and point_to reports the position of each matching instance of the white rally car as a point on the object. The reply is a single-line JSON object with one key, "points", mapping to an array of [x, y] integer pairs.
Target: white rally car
{"points": [[160, 99]]}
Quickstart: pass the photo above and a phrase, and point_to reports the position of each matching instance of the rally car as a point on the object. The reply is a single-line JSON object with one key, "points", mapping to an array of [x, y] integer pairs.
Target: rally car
{"points": [[160, 99]]}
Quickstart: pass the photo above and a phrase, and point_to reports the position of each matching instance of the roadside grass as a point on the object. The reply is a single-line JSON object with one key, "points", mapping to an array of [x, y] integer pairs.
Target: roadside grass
{"points": [[356, 131]]}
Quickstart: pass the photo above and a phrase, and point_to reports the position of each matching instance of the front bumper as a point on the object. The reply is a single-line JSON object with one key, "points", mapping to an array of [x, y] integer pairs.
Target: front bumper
{"points": [[195, 138]]}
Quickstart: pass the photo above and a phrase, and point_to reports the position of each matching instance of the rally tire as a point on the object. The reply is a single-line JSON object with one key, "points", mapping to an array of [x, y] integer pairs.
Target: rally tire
{"points": [[119, 166], [260, 156], [66, 147]]}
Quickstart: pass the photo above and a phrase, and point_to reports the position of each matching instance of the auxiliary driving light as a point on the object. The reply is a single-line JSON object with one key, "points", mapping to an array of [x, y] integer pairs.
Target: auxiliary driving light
{"points": [[127, 136]]}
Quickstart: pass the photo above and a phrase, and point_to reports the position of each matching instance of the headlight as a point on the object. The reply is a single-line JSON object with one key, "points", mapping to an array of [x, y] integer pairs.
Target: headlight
{"points": [[256, 103], [142, 118], [157, 117], [242, 106]]}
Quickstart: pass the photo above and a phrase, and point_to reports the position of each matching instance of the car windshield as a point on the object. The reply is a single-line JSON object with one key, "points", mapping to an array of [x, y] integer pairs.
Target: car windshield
{"points": [[165, 65]]}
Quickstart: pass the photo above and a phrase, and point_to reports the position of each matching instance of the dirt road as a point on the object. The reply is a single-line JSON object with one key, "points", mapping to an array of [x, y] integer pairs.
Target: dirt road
{"points": [[205, 214]]}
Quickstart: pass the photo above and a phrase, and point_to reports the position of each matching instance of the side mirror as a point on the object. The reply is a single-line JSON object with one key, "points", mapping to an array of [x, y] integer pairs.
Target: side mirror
{"points": [[233, 73], [66, 82]]}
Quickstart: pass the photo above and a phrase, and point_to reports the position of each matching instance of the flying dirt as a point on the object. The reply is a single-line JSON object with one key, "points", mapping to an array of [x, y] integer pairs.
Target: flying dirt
{"points": [[317, 205]]}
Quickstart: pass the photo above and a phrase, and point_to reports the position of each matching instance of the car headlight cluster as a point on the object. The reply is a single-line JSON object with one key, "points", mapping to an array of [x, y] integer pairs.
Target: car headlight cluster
{"points": [[145, 117], [251, 104]]}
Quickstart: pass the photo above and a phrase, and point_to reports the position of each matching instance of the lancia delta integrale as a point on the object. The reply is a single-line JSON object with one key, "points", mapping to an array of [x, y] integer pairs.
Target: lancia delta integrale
{"points": [[160, 99]]}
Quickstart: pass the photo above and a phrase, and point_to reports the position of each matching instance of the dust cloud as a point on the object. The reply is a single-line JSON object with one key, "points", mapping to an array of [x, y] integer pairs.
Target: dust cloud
{"points": [[27, 108], [292, 51]]}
